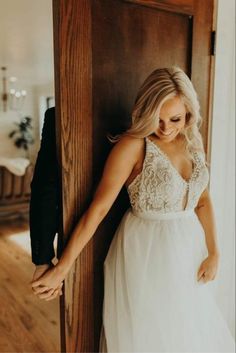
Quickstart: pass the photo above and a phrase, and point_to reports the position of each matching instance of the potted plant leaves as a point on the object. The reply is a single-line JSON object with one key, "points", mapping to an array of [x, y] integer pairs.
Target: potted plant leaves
{"points": [[23, 135]]}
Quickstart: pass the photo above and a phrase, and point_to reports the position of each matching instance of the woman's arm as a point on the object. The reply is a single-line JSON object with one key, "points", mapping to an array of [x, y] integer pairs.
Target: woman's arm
{"points": [[205, 213], [204, 210], [118, 167]]}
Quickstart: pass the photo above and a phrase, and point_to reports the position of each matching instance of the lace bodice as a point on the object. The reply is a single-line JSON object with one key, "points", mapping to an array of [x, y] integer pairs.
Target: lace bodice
{"points": [[159, 187]]}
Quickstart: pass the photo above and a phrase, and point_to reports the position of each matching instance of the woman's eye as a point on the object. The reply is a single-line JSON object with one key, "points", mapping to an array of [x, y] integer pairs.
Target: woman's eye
{"points": [[175, 120]]}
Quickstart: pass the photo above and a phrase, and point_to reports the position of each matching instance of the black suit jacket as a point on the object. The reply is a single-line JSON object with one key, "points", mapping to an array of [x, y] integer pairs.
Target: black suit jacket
{"points": [[44, 203]]}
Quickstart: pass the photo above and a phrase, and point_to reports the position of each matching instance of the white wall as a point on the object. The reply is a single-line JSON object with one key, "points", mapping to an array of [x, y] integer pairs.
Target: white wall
{"points": [[26, 49], [222, 184], [34, 107], [7, 124]]}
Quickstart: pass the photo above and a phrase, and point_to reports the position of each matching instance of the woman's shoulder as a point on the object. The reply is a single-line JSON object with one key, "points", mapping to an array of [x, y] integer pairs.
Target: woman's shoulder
{"points": [[130, 142], [129, 147]]}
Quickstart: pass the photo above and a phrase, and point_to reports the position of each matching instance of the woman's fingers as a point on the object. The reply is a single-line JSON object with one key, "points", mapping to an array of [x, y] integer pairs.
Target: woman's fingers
{"points": [[207, 277], [53, 296], [43, 294], [38, 290], [35, 283], [47, 294], [200, 274], [204, 276], [42, 289]]}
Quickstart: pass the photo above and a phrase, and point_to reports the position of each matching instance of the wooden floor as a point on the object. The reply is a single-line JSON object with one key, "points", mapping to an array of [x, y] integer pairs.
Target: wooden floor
{"points": [[27, 324]]}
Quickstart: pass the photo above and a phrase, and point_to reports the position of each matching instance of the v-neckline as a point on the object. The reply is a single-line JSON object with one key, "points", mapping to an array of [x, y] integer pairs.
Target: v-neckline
{"points": [[171, 164]]}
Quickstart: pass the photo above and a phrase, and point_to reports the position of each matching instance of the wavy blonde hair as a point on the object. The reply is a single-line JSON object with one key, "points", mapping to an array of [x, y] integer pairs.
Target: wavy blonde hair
{"points": [[163, 84]]}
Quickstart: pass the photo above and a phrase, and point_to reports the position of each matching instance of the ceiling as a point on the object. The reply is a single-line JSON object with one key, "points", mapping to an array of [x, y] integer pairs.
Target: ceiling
{"points": [[26, 39]]}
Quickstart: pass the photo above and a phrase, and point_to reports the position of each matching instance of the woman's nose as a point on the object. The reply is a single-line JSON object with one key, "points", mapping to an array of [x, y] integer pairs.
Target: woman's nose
{"points": [[165, 126]]}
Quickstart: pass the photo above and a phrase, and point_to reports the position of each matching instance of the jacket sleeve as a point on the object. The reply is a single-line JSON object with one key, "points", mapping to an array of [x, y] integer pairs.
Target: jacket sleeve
{"points": [[45, 195]]}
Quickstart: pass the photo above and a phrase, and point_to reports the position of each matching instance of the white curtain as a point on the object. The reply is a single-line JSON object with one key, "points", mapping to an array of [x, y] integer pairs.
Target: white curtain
{"points": [[222, 185]]}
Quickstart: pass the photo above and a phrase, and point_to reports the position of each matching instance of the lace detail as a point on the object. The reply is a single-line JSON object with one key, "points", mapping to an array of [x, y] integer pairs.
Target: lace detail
{"points": [[159, 187]]}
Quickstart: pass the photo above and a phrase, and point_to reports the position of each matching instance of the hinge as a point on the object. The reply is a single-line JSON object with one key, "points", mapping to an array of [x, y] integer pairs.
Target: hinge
{"points": [[213, 42]]}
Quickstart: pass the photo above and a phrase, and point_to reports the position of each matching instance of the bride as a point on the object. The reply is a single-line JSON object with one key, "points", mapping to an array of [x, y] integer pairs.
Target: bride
{"points": [[165, 250]]}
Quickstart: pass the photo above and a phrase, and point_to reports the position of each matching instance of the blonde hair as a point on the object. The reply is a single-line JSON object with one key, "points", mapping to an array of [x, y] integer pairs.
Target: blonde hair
{"points": [[163, 84]]}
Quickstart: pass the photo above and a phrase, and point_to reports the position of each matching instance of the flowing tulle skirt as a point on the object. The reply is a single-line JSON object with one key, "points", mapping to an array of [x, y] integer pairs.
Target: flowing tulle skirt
{"points": [[152, 299]]}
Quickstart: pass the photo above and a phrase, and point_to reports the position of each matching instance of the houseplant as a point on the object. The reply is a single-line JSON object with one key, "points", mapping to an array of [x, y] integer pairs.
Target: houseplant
{"points": [[23, 135]]}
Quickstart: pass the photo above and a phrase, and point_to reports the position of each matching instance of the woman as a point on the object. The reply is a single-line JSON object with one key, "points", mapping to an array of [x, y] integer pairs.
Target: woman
{"points": [[165, 248]]}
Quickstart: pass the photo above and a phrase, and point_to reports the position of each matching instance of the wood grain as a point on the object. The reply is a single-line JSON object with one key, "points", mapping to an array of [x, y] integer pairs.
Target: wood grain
{"points": [[27, 324], [202, 64], [72, 39], [179, 6], [104, 49]]}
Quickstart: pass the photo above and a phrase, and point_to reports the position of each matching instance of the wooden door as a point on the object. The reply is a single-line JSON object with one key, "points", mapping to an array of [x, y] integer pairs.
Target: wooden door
{"points": [[103, 51]]}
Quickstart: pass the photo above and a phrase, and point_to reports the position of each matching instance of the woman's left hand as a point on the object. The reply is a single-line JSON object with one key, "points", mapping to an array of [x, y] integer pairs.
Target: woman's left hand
{"points": [[47, 283], [208, 268]]}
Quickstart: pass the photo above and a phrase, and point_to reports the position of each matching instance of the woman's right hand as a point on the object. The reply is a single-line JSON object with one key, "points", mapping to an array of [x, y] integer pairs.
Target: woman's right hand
{"points": [[39, 271]]}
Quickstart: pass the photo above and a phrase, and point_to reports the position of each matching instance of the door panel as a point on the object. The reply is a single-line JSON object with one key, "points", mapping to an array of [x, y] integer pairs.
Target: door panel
{"points": [[124, 51], [104, 49]]}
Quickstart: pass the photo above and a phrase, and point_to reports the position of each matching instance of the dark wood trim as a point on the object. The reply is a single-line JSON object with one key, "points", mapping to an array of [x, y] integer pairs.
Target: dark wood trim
{"points": [[185, 7], [201, 62], [73, 62], [211, 88], [57, 80]]}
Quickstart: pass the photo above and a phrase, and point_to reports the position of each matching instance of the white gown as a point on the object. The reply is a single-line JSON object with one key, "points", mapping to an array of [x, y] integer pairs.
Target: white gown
{"points": [[152, 299]]}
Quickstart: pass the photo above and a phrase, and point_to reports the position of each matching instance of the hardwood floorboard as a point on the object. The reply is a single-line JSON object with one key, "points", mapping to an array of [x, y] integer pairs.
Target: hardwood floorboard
{"points": [[27, 324]]}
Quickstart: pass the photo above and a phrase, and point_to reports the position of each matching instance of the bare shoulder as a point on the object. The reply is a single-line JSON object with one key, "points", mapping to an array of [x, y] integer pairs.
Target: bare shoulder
{"points": [[124, 156], [118, 167], [129, 146]]}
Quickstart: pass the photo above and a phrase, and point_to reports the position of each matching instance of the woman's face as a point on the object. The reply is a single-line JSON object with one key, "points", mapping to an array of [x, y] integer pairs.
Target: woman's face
{"points": [[172, 119]]}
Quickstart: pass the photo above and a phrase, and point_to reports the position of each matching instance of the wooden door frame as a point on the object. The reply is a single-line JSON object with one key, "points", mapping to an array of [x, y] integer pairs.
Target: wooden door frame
{"points": [[73, 95]]}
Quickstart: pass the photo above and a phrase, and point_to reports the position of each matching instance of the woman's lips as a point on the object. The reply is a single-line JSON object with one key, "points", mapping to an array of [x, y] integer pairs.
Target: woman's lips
{"points": [[166, 134]]}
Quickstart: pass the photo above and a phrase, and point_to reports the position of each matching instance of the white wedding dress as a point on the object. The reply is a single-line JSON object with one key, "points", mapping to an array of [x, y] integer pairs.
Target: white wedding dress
{"points": [[152, 299]]}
